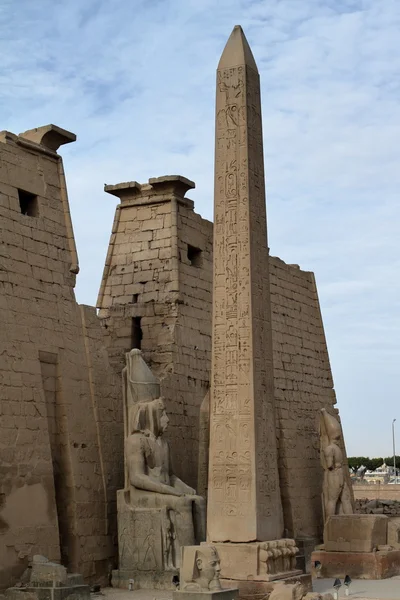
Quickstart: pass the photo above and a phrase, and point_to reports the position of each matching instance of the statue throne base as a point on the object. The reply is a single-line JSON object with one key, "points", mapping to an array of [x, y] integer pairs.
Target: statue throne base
{"points": [[148, 546]]}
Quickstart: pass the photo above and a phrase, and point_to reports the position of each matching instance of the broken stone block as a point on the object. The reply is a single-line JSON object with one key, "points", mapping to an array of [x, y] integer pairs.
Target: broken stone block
{"points": [[47, 574], [46, 580]]}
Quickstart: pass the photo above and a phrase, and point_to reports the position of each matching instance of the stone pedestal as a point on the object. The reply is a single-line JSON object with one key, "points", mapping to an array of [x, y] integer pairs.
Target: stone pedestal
{"points": [[256, 561], [358, 565], [355, 545], [247, 567], [355, 533]]}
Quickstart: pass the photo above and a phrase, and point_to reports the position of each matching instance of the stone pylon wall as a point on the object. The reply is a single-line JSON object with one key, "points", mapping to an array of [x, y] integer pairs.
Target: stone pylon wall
{"points": [[158, 273], [303, 385], [61, 426], [179, 351], [61, 455]]}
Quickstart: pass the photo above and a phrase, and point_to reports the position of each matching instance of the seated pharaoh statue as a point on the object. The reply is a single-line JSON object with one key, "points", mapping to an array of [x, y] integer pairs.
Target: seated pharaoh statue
{"points": [[158, 513], [152, 483]]}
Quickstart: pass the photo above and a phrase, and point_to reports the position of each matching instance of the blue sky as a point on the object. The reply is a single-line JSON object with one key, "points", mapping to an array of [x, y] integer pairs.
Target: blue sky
{"points": [[136, 82]]}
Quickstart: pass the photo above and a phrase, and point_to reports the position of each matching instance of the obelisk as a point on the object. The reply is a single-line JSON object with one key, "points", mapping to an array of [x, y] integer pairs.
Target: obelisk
{"points": [[244, 502]]}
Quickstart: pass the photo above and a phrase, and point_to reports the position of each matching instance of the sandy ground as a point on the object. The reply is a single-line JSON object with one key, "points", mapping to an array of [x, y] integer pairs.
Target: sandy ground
{"points": [[385, 589]]}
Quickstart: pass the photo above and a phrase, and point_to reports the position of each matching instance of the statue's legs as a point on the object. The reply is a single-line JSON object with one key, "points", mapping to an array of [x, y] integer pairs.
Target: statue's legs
{"points": [[189, 514], [182, 512], [345, 500], [334, 489], [199, 518]]}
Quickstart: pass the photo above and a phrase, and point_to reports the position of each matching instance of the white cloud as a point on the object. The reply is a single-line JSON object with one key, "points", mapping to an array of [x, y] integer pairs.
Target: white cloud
{"points": [[135, 81]]}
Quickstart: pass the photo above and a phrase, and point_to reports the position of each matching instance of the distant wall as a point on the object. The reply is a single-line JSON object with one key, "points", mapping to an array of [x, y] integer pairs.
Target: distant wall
{"points": [[377, 491]]}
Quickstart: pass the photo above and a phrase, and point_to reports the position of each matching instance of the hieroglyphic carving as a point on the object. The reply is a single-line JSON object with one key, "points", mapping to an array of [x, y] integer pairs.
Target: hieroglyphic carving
{"points": [[140, 540], [244, 497]]}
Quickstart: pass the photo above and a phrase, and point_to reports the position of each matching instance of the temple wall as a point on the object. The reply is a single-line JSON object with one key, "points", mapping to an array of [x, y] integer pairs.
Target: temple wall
{"points": [[303, 380], [303, 385], [137, 297], [61, 423], [60, 446], [377, 491]]}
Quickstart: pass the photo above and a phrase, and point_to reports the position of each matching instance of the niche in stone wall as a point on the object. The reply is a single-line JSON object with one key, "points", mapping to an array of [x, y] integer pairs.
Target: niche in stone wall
{"points": [[28, 203], [194, 256], [137, 333]]}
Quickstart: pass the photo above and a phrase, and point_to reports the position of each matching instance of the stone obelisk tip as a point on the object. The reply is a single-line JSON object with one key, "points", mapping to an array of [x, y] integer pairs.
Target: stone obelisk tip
{"points": [[237, 51]]}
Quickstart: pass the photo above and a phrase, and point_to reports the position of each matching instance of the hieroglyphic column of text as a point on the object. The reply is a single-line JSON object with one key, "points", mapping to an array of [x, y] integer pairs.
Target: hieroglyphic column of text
{"points": [[244, 498]]}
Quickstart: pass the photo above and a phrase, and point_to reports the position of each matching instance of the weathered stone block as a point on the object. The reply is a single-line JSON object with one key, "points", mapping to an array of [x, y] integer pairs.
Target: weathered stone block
{"points": [[355, 533], [45, 573], [358, 565]]}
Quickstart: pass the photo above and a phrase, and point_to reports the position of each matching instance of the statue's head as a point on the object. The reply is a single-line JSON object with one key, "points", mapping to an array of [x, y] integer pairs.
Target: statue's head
{"points": [[200, 568], [149, 417], [208, 567]]}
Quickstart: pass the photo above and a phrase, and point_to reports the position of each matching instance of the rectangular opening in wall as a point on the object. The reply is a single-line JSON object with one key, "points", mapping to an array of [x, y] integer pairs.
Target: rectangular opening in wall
{"points": [[135, 298], [28, 203], [137, 333], [195, 256]]}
